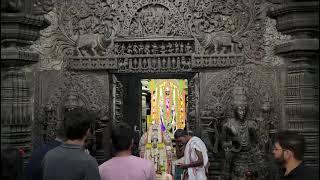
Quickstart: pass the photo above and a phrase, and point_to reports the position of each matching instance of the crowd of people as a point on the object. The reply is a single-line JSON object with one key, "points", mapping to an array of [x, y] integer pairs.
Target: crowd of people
{"points": [[65, 158]]}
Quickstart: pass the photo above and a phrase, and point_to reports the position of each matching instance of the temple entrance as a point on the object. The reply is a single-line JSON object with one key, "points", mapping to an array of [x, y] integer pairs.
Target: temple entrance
{"points": [[155, 105], [142, 100], [164, 102]]}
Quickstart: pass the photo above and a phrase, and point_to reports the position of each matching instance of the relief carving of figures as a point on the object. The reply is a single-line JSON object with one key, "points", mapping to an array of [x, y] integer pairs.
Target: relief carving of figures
{"points": [[241, 141], [147, 48], [92, 43], [74, 90], [161, 18], [265, 122], [85, 28], [221, 122], [185, 63], [212, 118], [123, 64], [219, 43]]}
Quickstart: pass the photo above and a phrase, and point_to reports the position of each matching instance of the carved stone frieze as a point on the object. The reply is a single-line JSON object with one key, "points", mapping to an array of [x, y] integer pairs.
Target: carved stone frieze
{"points": [[211, 61], [74, 89], [152, 46], [272, 38], [118, 96], [94, 63], [193, 104], [93, 28], [162, 64], [263, 86], [258, 84], [152, 18]]}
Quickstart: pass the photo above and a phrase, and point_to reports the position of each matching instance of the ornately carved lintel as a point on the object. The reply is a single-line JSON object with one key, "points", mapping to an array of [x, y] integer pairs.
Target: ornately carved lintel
{"points": [[91, 63], [216, 61], [155, 63]]}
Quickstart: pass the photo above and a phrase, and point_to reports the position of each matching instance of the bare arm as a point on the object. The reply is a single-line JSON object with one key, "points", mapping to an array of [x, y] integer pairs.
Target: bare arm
{"points": [[197, 163]]}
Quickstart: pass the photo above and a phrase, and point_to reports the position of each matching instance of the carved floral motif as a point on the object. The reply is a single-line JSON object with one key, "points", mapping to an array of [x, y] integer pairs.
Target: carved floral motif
{"points": [[82, 90]]}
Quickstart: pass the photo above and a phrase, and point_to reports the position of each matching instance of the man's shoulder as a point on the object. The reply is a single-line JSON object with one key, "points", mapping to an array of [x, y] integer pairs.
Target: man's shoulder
{"points": [[53, 152], [303, 172], [196, 139], [44, 148], [142, 160], [130, 159], [310, 173]]}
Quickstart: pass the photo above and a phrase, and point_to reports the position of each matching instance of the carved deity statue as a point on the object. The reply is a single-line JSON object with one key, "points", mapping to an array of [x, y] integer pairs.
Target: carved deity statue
{"points": [[156, 146], [243, 157]]}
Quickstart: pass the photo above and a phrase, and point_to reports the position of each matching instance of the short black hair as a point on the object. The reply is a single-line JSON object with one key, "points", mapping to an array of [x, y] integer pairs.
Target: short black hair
{"points": [[11, 163], [121, 135], [76, 123], [292, 141], [180, 133]]}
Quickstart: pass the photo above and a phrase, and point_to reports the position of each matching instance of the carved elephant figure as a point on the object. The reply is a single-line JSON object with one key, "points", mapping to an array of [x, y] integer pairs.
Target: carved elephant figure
{"points": [[87, 44], [217, 42]]}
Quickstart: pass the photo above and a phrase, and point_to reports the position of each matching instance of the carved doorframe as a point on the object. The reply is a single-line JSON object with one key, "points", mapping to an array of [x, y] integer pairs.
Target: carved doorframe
{"points": [[157, 57]]}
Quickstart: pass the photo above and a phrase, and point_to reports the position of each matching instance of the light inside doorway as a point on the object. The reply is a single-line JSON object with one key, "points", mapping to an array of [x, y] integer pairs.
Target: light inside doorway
{"points": [[164, 101]]}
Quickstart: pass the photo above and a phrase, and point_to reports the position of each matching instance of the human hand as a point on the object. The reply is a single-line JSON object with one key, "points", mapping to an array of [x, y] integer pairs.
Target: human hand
{"points": [[182, 166]]}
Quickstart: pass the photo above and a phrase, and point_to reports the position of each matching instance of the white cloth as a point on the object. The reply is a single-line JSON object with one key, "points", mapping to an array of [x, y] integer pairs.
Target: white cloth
{"points": [[196, 173]]}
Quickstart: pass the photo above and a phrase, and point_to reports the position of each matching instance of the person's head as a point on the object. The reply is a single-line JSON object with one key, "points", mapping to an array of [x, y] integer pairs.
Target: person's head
{"points": [[181, 136], [122, 137], [77, 123], [11, 164], [288, 146]]}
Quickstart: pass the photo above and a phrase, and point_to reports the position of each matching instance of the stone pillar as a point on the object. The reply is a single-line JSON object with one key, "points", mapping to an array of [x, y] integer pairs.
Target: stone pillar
{"points": [[19, 28], [300, 19]]}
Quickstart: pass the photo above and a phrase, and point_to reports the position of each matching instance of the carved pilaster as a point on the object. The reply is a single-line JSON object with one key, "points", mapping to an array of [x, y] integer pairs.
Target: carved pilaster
{"points": [[19, 28], [15, 109], [301, 20]]}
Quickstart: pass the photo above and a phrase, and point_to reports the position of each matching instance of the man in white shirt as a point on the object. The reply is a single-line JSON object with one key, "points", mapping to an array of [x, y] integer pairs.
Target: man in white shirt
{"points": [[196, 160]]}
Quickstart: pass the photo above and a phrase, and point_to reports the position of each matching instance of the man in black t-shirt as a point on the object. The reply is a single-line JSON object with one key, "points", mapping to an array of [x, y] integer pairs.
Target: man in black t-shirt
{"points": [[288, 151]]}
